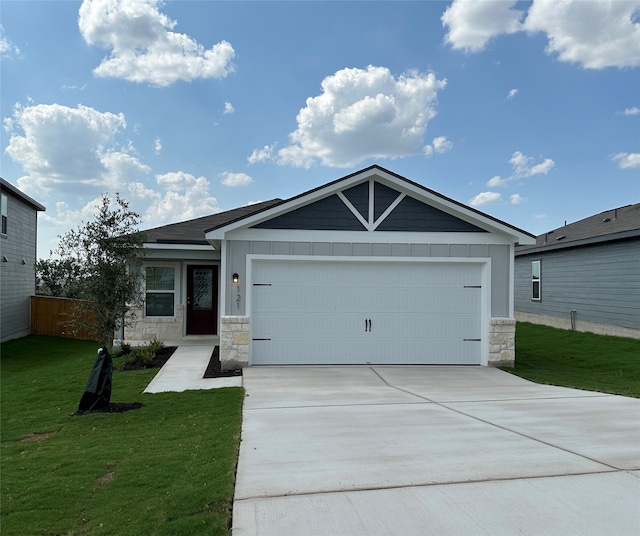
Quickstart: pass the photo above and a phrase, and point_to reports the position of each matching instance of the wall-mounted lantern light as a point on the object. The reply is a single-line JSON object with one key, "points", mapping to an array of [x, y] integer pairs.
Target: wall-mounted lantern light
{"points": [[235, 278]]}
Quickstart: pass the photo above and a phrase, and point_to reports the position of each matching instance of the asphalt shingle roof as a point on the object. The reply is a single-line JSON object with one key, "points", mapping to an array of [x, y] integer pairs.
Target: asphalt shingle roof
{"points": [[614, 224], [192, 231]]}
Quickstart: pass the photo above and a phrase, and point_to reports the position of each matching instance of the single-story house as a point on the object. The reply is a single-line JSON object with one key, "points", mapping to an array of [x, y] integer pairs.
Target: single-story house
{"points": [[370, 268], [584, 275], [18, 242]]}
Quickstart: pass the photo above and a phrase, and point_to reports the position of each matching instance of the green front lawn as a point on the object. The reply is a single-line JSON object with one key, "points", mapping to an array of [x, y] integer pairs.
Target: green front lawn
{"points": [[169, 467], [166, 468], [580, 360]]}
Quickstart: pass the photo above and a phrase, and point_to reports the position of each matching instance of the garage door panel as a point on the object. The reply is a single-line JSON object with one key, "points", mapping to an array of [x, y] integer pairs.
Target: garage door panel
{"points": [[317, 312]]}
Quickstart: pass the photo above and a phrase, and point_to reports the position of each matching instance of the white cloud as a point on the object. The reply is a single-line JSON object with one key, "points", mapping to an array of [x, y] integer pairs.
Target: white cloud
{"points": [[228, 108], [76, 154], [236, 179], [185, 197], [70, 149], [472, 23], [627, 160], [595, 34], [631, 111], [7, 48], [516, 199], [265, 154], [496, 181], [512, 93], [157, 145], [360, 114], [485, 198], [143, 46], [522, 166], [439, 145]]}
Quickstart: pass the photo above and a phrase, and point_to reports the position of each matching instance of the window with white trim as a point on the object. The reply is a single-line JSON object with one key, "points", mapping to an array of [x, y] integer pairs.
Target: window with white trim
{"points": [[535, 280], [160, 282], [5, 213]]}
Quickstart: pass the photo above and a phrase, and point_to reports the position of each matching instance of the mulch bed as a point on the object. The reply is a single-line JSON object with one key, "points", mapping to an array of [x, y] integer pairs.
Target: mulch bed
{"points": [[214, 368], [161, 357]]}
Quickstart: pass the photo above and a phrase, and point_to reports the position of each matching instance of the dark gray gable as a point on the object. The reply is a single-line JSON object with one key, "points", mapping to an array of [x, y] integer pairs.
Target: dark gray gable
{"points": [[331, 213], [358, 196], [328, 214], [413, 215]]}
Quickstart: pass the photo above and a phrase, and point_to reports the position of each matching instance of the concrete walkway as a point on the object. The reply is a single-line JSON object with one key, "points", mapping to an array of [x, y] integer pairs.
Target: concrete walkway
{"points": [[432, 450], [184, 370]]}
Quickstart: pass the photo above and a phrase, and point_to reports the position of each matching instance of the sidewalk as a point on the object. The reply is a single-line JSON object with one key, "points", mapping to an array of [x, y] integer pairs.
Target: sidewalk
{"points": [[184, 372]]}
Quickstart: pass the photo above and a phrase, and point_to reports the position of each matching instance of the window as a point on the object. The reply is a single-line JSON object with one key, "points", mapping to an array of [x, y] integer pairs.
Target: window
{"points": [[4, 214], [535, 280], [160, 288]]}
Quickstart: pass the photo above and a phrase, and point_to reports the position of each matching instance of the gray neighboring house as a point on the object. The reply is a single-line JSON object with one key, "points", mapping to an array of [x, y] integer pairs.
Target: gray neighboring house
{"points": [[371, 268], [18, 241], [584, 275]]}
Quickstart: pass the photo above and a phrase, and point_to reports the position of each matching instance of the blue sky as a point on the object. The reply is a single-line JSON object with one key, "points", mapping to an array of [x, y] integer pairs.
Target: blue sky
{"points": [[528, 111]]}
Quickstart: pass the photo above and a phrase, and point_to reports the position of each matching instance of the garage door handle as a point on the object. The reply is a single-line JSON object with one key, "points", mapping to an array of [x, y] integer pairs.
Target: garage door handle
{"points": [[367, 324]]}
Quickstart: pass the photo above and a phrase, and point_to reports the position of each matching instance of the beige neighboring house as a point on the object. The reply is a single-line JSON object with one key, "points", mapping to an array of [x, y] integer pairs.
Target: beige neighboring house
{"points": [[18, 241]]}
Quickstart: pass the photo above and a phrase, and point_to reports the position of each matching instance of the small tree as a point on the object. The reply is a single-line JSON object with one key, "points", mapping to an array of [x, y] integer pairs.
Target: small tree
{"points": [[101, 262], [57, 277]]}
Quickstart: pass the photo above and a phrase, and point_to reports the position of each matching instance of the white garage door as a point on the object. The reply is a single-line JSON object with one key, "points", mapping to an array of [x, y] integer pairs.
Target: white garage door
{"points": [[326, 312]]}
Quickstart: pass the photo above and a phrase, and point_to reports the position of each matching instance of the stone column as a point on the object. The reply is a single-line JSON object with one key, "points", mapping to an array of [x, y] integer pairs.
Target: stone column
{"points": [[234, 342], [502, 342]]}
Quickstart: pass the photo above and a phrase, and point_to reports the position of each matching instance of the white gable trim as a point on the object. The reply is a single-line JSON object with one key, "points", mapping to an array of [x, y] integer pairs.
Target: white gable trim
{"points": [[384, 177]]}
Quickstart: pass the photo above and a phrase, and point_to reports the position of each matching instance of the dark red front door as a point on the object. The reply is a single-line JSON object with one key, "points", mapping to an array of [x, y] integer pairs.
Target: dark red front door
{"points": [[202, 300]]}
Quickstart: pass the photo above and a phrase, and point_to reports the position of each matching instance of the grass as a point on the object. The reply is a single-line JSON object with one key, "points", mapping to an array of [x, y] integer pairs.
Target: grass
{"points": [[167, 468], [579, 360]]}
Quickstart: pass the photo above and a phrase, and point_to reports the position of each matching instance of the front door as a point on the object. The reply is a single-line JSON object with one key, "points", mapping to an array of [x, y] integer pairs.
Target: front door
{"points": [[202, 300]]}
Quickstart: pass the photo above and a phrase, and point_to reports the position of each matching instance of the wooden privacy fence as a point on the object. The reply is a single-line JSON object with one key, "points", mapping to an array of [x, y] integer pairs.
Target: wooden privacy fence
{"points": [[49, 316]]}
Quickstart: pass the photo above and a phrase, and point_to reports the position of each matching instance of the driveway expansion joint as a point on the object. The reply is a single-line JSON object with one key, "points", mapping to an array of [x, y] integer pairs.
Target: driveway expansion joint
{"points": [[424, 485]]}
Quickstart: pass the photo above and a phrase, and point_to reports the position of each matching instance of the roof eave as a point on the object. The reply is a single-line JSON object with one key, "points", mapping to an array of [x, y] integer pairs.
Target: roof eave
{"points": [[21, 195], [633, 233], [470, 214]]}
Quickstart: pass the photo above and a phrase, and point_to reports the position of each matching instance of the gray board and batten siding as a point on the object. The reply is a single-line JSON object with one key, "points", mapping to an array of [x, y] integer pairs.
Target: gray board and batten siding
{"points": [[600, 282], [237, 251], [17, 260]]}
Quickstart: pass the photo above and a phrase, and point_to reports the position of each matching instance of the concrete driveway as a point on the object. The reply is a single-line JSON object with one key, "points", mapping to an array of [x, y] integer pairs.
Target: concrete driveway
{"points": [[386, 450]]}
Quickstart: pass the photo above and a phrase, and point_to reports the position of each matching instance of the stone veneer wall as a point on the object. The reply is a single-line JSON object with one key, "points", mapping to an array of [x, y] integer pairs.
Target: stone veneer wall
{"points": [[234, 342], [502, 342], [162, 328]]}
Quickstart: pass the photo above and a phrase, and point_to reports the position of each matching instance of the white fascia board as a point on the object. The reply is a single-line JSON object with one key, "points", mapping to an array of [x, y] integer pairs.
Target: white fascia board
{"points": [[404, 186], [182, 247], [375, 237], [484, 221], [330, 189]]}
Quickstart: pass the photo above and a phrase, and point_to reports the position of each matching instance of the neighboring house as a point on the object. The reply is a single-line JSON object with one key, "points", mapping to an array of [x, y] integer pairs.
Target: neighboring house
{"points": [[17, 260], [584, 276], [370, 268]]}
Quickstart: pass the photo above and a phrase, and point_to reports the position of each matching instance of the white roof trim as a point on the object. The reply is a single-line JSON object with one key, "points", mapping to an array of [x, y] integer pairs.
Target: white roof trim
{"points": [[403, 185]]}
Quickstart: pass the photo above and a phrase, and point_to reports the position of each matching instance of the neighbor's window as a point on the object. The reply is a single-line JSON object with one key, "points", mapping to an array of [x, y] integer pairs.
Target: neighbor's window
{"points": [[4, 214], [535, 280], [160, 287]]}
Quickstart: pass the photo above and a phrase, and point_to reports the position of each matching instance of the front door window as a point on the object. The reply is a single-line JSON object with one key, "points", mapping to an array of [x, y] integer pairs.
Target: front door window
{"points": [[203, 289], [202, 300]]}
